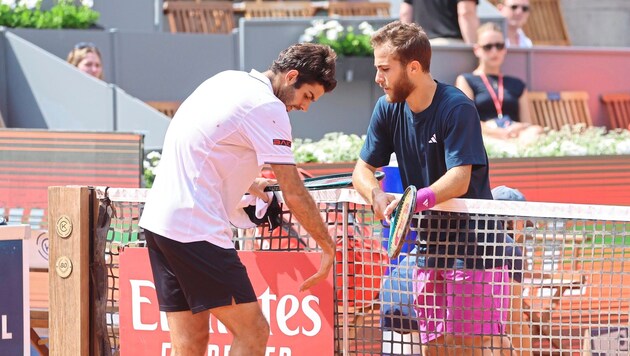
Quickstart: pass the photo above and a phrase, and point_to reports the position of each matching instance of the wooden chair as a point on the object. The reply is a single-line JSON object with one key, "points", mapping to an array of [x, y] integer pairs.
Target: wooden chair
{"points": [[168, 108], [200, 17], [360, 8], [556, 109], [552, 272], [545, 25], [279, 9], [618, 110]]}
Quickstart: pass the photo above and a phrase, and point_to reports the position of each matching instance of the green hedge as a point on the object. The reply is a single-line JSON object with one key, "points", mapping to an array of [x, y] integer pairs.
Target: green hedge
{"points": [[64, 14]]}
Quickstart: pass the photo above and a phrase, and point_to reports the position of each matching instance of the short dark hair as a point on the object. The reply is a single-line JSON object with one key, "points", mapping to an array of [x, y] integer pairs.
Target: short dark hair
{"points": [[314, 62], [408, 40]]}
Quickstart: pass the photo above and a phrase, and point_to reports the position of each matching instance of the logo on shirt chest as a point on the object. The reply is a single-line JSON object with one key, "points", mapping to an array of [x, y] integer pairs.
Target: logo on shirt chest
{"points": [[280, 142]]}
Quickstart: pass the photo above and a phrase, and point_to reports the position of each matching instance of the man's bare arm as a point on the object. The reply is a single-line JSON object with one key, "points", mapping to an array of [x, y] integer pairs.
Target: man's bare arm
{"points": [[303, 207], [468, 20], [365, 183], [453, 184], [406, 12]]}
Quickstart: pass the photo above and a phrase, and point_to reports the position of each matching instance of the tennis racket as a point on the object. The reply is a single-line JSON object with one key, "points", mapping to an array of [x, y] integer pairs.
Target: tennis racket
{"points": [[400, 221], [332, 181]]}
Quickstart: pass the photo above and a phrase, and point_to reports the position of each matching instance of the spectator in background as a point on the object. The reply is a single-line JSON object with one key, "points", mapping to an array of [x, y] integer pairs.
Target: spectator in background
{"points": [[516, 13], [501, 100], [87, 58], [444, 21]]}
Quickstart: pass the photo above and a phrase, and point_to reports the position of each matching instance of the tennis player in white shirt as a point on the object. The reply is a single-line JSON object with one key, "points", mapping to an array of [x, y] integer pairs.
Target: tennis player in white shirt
{"points": [[221, 136]]}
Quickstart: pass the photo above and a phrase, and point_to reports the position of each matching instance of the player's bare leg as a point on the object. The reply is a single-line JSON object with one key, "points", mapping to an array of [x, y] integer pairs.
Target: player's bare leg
{"points": [[248, 325], [189, 332]]}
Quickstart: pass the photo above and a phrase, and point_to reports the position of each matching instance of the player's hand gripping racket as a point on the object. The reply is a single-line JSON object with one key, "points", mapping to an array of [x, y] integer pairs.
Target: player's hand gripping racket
{"points": [[400, 221], [332, 181]]}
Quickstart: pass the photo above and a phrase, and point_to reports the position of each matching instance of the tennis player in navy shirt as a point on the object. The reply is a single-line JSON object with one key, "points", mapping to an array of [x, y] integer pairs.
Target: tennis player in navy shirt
{"points": [[434, 130]]}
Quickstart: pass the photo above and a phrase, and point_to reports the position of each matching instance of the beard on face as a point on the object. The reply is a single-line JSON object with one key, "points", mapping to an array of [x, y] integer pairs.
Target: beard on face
{"points": [[286, 94], [401, 89]]}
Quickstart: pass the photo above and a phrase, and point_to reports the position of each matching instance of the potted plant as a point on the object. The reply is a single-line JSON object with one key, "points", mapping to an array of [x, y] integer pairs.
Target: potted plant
{"points": [[351, 44]]}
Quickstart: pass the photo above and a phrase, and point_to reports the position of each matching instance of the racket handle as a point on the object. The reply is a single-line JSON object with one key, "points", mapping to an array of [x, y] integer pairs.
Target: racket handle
{"points": [[425, 199]]}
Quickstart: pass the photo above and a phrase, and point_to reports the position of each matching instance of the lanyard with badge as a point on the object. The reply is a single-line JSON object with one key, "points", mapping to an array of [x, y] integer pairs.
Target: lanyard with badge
{"points": [[501, 121]]}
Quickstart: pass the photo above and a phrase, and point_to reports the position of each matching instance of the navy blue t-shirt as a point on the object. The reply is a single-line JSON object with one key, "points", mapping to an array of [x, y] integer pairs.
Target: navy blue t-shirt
{"points": [[513, 88], [427, 144]]}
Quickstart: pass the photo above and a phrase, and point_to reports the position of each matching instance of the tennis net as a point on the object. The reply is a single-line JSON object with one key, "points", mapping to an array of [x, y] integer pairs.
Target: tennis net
{"points": [[568, 292]]}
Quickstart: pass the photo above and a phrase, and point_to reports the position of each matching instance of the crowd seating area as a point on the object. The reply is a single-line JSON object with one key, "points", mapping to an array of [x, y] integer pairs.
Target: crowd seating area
{"points": [[194, 16]]}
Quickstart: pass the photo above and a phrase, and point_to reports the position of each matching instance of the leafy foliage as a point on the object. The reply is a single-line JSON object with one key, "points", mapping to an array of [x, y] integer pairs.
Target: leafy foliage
{"points": [[345, 41], [577, 140], [334, 147], [151, 162], [64, 14]]}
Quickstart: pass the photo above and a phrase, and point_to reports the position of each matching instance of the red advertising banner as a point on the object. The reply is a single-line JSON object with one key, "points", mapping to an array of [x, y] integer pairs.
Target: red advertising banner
{"points": [[301, 322]]}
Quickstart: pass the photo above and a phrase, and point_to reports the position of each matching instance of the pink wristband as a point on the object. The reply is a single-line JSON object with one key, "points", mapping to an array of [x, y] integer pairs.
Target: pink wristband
{"points": [[425, 199]]}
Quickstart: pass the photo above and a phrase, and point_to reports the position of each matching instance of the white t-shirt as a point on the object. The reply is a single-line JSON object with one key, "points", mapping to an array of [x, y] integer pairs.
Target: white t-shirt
{"points": [[523, 40], [214, 148]]}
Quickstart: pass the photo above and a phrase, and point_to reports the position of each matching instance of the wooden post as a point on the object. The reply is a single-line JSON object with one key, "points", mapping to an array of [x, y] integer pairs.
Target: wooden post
{"points": [[70, 228]]}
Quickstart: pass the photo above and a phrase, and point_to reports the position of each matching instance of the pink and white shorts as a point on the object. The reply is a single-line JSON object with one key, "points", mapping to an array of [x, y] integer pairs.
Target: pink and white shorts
{"points": [[461, 302]]}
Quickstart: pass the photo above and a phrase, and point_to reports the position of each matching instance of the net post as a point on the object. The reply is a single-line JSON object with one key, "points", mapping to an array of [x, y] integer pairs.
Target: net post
{"points": [[70, 235]]}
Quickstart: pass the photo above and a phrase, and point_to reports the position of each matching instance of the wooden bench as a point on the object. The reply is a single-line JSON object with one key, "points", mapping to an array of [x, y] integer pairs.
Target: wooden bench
{"points": [[359, 8], [556, 109], [200, 16], [279, 9], [618, 110]]}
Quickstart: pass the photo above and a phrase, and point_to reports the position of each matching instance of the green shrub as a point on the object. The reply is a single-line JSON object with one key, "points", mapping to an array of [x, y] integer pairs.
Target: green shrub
{"points": [[343, 40], [63, 14]]}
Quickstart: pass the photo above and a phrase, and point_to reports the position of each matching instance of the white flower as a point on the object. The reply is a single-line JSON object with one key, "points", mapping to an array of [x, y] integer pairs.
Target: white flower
{"points": [[312, 31], [306, 38], [332, 34], [87, 3], [623, 147], [10, 3], [568, 148], [366, 28], [334, 24], [550, 149], [154, 155], [29, 4]]}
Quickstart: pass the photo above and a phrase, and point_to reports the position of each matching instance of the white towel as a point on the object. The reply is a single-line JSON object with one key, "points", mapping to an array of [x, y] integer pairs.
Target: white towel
{"points": [[240, 219]]}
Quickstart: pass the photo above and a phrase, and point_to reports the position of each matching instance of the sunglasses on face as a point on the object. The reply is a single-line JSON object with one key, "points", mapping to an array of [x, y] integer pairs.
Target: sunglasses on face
{"points": [[525, 8], [499, 46], [83, 45]]}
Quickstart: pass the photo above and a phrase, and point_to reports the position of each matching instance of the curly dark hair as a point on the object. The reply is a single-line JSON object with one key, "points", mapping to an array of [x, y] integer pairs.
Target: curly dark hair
{"points": [[314, 62], [408, 40]]}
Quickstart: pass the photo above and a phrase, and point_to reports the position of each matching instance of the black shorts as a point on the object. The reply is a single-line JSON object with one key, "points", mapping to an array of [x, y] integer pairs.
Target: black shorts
{"points": [[196, 276]]}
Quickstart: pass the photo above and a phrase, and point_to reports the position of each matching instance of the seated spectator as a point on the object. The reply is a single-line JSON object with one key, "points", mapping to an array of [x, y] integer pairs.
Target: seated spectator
{"points": [[516, 13], [501, 100], [87, 58]]}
